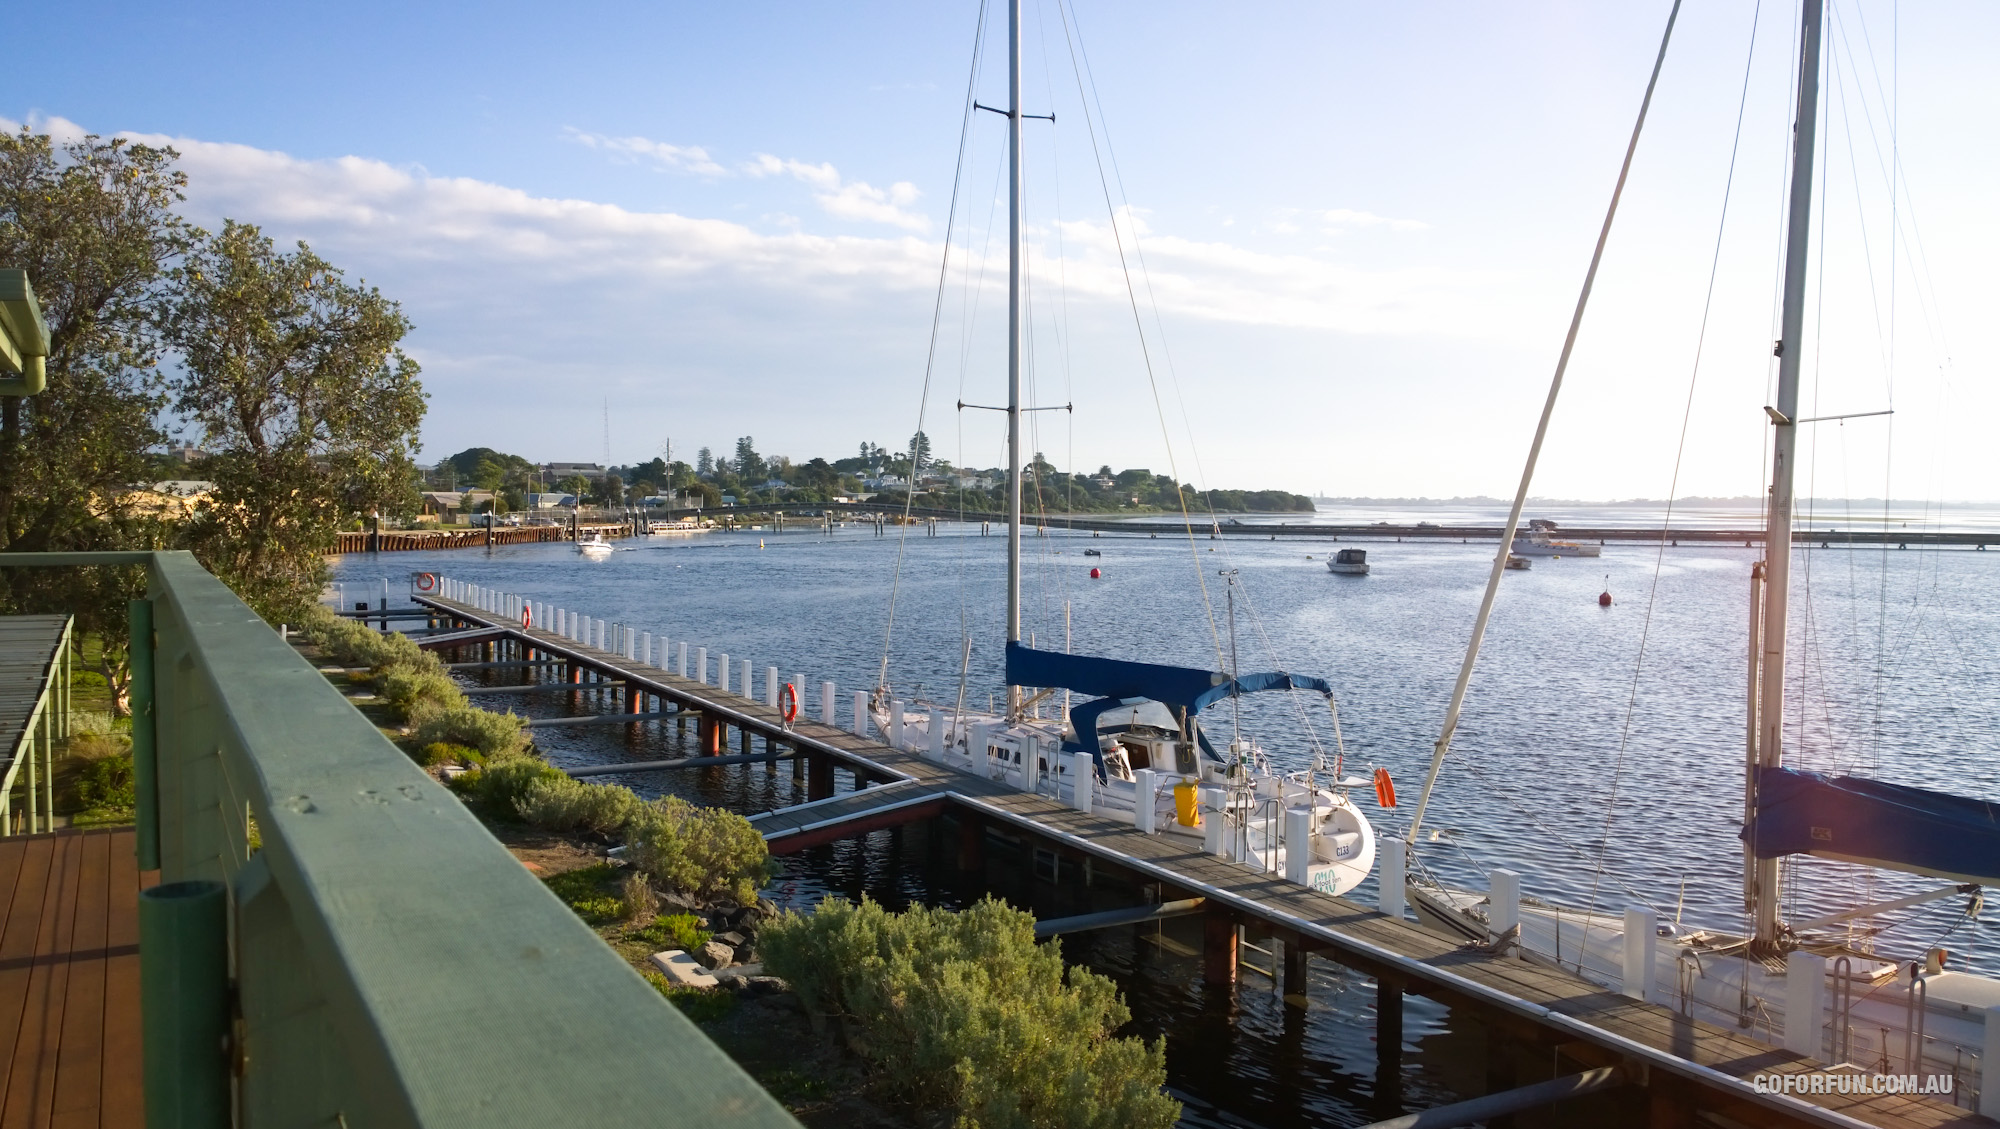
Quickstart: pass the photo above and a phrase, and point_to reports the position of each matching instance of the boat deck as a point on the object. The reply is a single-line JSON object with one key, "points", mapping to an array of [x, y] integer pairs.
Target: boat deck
{"points": [[1588, 1022]]}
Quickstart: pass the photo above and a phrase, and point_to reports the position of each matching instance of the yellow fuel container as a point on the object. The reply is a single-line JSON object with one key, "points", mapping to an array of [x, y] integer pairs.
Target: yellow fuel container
{"points": [[1187, 808]]}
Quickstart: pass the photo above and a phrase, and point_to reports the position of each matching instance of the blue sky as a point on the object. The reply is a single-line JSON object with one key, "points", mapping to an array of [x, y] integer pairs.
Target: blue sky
{"points": [[1363, 225]]}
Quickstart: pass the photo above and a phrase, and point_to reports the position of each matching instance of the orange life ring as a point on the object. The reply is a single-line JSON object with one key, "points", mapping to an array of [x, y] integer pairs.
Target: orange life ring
{"points": [[788, 703], [527, 615], [426, 581], [1385, 788]]}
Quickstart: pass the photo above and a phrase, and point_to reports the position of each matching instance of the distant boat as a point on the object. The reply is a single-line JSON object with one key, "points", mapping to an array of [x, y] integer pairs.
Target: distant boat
{"points": [[594, 546], [1093, 553], [1349, 562], [1519, 563], [1541, 545]]}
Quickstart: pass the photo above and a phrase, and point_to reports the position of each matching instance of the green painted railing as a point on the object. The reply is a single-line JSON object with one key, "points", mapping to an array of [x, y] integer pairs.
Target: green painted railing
{"points": [[390, 963]]}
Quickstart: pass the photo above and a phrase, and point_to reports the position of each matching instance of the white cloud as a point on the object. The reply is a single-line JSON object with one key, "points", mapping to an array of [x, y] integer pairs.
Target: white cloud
{"points": [[681, 158], [856, 200], [1339, 219]]}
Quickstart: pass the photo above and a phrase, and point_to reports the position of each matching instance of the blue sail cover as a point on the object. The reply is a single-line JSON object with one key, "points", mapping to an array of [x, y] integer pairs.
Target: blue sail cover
{"points": [[1874, 823], [1118, 682]]}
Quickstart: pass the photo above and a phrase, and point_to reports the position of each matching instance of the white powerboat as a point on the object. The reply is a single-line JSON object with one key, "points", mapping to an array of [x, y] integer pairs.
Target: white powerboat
{"points": [[1349, 562]]}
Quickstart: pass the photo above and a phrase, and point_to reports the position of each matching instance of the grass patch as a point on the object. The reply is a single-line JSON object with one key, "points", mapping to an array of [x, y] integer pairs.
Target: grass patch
{"points": [[673, 931], [592, 892], [703, 1005]]}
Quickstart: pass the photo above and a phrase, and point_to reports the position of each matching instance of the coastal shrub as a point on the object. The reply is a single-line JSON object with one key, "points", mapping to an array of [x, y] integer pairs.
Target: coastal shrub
{"points": [[585, 892], [560, 803], [962, 1011], [444, 752], [637, 894], [106, 784], [405, 686], [497, 736], [681, 931], [703, 852], [501, 785]]}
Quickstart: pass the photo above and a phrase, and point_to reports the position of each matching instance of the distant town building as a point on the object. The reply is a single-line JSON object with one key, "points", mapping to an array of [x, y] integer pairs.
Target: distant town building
{"points": [[559, 471], [447, 506], [550, 501], [974, 482], [187, 454]]}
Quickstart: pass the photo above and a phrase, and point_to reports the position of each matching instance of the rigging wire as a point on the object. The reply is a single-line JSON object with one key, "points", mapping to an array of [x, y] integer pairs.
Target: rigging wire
{"points": [[1071, 35], [1680, 451], [930, 351]]}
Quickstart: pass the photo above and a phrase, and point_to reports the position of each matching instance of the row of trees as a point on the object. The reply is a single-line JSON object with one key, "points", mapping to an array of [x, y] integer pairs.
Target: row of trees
{"points": [[289, 375]]}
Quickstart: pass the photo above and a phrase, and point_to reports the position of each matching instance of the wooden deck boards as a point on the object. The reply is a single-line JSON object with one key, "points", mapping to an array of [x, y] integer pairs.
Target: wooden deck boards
{"points": [[1341, 929], [69, 981]]}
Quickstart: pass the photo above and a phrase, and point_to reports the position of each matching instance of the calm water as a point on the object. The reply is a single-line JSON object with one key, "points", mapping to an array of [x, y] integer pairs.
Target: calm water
{"points": [[1570, 753]]}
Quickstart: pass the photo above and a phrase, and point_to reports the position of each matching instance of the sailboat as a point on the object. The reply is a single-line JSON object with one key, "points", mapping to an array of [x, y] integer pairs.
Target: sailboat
{"points": [[1918, 1017], [1139, 749]]}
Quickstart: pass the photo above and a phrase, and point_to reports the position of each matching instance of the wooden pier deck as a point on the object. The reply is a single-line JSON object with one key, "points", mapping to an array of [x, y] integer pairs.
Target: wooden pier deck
{"points": [[1684, 1064]]}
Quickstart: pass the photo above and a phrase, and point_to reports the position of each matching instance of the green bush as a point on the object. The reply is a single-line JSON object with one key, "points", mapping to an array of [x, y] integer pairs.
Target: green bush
{"points": [[560, 803], [444, 752], [963, 1012], [681, 931], [497, 736], [584, 891], [106, 784], [405, 687], [703, 852], [503, 784]]}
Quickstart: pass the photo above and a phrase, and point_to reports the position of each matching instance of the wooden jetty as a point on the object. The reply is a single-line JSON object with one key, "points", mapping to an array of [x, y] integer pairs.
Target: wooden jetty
{"points": [[1690, 1071], [414, 540]]}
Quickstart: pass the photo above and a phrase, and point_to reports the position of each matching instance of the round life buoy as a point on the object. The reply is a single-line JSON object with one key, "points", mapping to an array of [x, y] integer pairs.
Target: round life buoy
{"points": [[788, 703], [426, 581], [527, 615], [1385, 788]]}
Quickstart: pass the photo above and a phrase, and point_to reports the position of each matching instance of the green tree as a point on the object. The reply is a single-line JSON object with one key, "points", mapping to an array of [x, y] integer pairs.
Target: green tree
{"points": [[749, 464], [311, 409], [575, 484], [920, 449], [93, 224]]}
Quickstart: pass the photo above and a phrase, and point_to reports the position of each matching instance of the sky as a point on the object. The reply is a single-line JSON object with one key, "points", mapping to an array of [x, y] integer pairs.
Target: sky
{"points": [[1354, 233]]}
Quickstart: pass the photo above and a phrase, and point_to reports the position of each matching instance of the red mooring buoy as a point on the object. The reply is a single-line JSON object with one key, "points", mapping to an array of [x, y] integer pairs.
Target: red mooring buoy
{"points": [[1604, 597], [1094, 574]]}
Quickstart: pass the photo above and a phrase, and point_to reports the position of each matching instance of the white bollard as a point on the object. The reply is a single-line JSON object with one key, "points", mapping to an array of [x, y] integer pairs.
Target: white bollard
{"points": [[631, 646], [861, 713], [701, 665], [1989, 1092], [826, 699], [771, 686], [1805, 1003], [1389, 860], [1214, 819], [896, 724], [743, 680], [1145, 793], [681, 661], [722, 673], [1083, 781], [939, 719], [1640, 939], [1298, 845], [1503, 903], [646, 647]]}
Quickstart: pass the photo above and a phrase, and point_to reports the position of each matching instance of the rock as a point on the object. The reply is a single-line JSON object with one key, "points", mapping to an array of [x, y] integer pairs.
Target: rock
{"points": [[765, 985], [676, 900], [681, 970], [738, 974], [715, 955], [732, 938]]}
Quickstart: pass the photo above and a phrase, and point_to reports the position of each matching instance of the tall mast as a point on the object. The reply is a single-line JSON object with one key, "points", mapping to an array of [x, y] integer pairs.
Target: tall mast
{"points": [[1013, 337], [1770, 716]]}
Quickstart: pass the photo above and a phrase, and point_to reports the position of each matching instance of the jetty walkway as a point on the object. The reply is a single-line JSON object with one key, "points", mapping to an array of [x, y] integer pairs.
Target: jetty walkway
{"points": [[1683, 1065]]}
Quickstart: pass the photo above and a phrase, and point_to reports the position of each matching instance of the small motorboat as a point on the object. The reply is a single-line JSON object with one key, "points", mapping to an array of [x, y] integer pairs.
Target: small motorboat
{"points": [[1093, 553], [594, 546], [1349, 562], [1519, 563]]}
